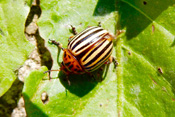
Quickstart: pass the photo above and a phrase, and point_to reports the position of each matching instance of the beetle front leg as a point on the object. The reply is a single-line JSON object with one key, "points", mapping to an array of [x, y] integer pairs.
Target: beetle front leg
{"points": [[59, 49]]}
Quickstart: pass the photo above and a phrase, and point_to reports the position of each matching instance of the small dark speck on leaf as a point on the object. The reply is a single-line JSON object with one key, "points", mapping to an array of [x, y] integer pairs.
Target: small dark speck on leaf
{"points": [[160, 70], [44, 97], [173, 99], [100, 105], [144, 2], [153, 28], [1, 32], [129, 53]]}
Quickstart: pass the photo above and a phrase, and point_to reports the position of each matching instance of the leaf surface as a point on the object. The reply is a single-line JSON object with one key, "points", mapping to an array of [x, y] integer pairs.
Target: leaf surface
{"points": [[147, 58], [14, 48], [142, 84]]}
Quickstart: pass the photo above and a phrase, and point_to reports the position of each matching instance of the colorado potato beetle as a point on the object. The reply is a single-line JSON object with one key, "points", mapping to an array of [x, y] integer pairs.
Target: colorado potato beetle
{"points": [[87, 51]]}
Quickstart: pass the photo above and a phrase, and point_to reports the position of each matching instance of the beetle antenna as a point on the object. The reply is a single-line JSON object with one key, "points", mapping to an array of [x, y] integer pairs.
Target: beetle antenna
{"points": [[73, 30], [56, 43]]}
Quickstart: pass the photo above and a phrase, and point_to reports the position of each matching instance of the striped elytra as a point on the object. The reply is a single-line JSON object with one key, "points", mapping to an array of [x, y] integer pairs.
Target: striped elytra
{"points": [[87, 51], [92, 47]]}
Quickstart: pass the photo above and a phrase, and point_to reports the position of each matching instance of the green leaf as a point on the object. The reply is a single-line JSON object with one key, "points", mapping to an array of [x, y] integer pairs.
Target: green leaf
{"points": [[143, 83], [147, 74], [14, 48]]}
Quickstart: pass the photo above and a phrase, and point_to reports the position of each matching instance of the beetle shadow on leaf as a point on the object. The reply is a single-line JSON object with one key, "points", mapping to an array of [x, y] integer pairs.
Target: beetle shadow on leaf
{"points": [[104, 7], [81, 85], [136, 16]]}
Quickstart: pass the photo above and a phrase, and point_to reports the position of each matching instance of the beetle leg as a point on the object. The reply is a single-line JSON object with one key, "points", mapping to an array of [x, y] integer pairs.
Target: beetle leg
{"points": [[56, 43], [73, 30], [48, 71], [119, 32], [112, 59], [117, 36]]}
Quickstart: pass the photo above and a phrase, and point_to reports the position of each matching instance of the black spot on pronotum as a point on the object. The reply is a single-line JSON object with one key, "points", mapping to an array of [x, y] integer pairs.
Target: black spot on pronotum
{"points": [[65, 55], [77, 66], [144, 2], [71, 67], [160, 70], [65, 70], [44, 97], [69, 56], [79, 71], [67, 64]]}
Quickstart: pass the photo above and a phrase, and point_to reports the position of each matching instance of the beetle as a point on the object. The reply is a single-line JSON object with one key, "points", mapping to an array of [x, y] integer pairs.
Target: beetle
{"points": [[86, 51]]}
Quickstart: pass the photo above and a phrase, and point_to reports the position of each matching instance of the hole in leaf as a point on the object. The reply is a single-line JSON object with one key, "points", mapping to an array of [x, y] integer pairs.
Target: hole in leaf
{"points": [[144, 2], [44, 97]]}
